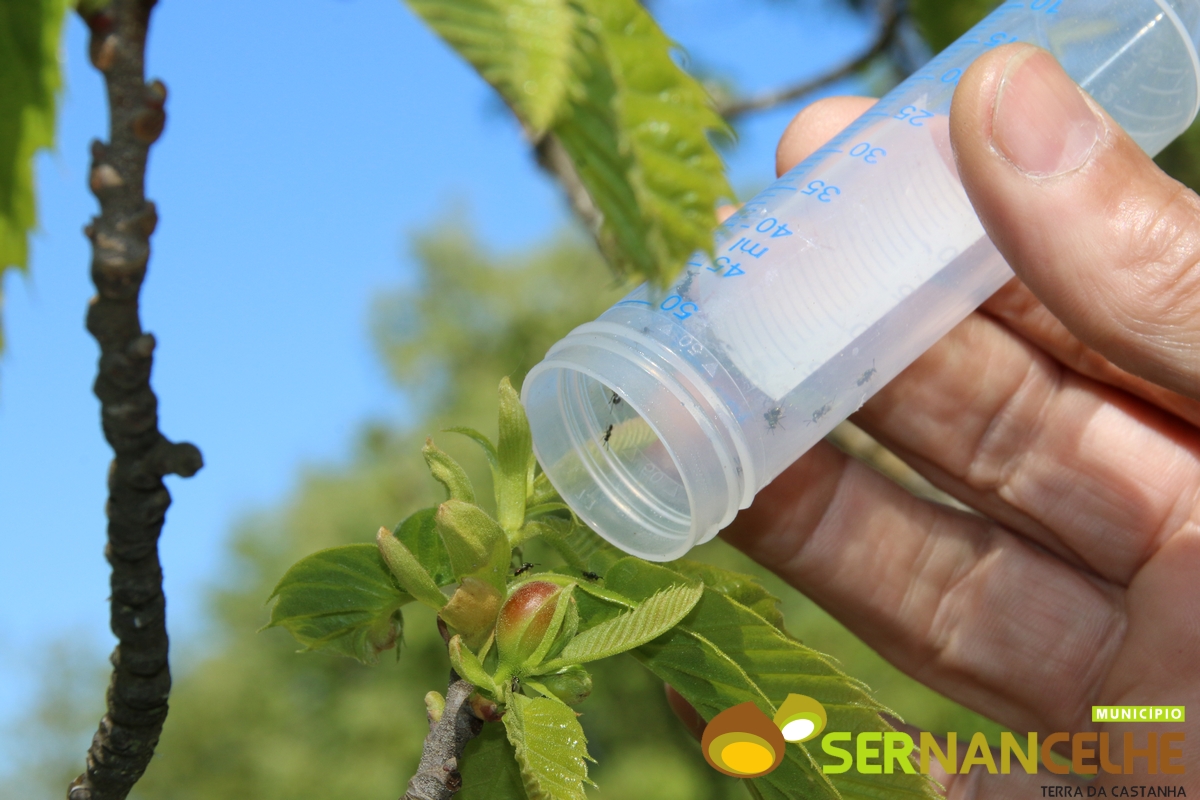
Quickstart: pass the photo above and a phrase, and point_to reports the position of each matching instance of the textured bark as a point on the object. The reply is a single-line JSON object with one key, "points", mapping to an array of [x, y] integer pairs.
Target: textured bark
{"points": [[437, 776], [137, 499]]}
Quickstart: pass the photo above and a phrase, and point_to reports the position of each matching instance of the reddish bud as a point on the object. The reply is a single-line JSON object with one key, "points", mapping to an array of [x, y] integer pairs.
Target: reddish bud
{"points": [[525, 619], [485, 709]]}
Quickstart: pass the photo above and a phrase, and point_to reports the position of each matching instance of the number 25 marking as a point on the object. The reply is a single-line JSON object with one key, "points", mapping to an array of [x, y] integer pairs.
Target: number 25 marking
{"points": [[914, 116]]}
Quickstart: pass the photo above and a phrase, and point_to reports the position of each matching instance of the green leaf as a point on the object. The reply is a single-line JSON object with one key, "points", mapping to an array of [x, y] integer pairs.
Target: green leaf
{"points": [[723, 654], [419, 533], [513, 453], [550, 747], [30, 32], [736, 586], [638, 137], [341, 600], [408, 571], [489, 767], [467, 665], [578, 545], [489, 449], [524, 48], [542, 491], [651, 619], [448, 473], [475, 543]]}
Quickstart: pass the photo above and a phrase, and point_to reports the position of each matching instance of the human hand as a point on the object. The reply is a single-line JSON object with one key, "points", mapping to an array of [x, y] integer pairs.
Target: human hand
{"points": [[1065, 410]]}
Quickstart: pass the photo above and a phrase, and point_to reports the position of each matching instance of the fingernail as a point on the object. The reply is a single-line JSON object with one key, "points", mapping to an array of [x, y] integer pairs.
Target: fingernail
{"points": [[1041, 121]]}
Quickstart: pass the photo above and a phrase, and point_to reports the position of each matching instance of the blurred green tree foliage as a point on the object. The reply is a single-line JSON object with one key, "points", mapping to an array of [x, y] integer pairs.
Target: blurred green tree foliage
{"points": [[29, 81]]}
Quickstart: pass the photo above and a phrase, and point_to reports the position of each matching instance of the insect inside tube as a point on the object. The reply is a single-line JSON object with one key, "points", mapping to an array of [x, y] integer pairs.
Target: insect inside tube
{"points": [[686, 284], [773, 418], [607, 435], [821, 412], [615, 401], [866, 376]]}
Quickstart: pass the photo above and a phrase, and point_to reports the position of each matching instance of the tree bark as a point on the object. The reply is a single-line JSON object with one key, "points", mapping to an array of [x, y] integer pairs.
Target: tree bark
{"points": [[437, 776], [137, 499]]}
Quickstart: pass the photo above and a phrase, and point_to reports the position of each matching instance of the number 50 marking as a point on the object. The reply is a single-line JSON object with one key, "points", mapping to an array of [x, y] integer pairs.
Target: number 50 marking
{"points": [[682, 310]]}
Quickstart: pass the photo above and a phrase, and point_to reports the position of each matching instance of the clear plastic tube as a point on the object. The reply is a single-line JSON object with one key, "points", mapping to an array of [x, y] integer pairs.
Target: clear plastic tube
{"points": [[662, 418]]}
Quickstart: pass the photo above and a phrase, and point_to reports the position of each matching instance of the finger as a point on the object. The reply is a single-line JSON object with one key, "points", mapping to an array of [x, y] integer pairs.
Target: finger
{"points": [[816, 125], [1104, 238], [952, 599], [1021, 311], [1090, 473]]}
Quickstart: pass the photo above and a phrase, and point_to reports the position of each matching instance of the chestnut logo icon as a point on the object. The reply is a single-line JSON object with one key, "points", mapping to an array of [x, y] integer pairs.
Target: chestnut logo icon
{"points": [[800, 718], [744, 742]]}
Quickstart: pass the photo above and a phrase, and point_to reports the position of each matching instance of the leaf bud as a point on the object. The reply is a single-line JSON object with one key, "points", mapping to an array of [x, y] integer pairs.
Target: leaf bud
{"points": [[484, 709], [472, 611], [525, 620], [572, 685], [435, 706]]}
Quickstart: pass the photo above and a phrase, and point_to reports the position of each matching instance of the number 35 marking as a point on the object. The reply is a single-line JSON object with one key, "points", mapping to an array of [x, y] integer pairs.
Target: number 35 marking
{"points": [[821, 191]]}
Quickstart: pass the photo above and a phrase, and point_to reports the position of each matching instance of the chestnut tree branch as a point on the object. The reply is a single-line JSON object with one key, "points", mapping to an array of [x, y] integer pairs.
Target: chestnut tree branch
{"points": [[767, 100], [137, 498], [554, 159], [437, 776]]}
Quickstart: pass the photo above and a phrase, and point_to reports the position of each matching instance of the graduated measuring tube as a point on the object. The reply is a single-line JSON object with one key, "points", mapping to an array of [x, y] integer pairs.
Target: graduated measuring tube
{"points": [[662, 418]]}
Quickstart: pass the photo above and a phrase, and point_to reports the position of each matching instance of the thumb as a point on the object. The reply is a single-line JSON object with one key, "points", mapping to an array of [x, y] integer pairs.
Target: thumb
{"points": [[1106, 240]]}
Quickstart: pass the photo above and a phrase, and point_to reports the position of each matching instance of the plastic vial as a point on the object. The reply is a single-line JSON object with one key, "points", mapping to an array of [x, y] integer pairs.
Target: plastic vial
{"points": [[662, 418]]}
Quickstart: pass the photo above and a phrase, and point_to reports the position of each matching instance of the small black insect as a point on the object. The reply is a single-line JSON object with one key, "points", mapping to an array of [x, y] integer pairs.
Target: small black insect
{"points": [[774, 418], [866, 376], [821, 412], [514, 685], [524, 568], [616, 400], [591, 576], [607, 434], [686, 284]]}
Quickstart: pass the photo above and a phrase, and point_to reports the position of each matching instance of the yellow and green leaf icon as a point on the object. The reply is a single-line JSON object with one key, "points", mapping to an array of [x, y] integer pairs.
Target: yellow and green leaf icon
{"points": [[800, 718], [744, 742]]}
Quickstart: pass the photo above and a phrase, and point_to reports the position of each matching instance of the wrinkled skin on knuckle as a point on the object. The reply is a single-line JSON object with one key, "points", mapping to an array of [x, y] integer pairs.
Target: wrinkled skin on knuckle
{"points": [[1161, 269]]}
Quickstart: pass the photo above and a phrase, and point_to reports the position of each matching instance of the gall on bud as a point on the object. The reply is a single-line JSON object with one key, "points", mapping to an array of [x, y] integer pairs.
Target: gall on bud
{"points": [[472, 611], [485, 709], [525, 620], [572, 685]]}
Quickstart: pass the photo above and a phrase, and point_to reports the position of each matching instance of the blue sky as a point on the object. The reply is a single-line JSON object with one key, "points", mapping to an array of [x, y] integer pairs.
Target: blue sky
{"points": [[305, 141]]}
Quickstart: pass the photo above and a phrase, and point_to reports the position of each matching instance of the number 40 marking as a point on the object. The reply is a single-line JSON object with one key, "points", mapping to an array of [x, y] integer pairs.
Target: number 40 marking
{"points": [[774, 227]]}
